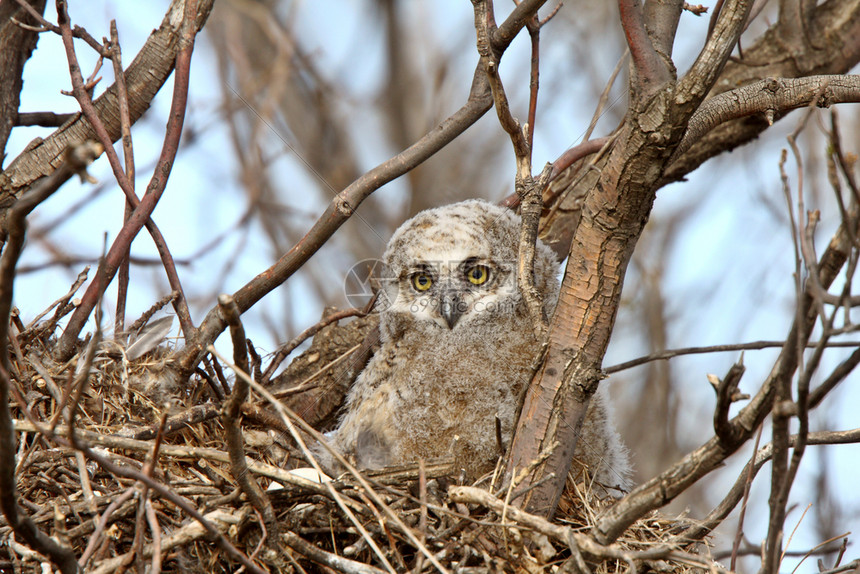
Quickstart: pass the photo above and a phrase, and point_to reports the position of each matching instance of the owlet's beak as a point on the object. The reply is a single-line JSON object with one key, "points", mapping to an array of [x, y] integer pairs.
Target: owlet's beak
{"points": [[450, 307]]}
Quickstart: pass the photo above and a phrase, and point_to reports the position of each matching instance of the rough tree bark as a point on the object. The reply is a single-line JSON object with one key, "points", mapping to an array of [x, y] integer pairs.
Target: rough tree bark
{"points": [[618, 200], [16, 46]]}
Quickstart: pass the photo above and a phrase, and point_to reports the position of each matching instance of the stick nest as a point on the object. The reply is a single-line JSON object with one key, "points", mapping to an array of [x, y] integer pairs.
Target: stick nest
{"points": [[405, 519]]}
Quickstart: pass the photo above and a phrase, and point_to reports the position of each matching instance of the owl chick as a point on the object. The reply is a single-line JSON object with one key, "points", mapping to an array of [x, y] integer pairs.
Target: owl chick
{"points": [[457, 350]]}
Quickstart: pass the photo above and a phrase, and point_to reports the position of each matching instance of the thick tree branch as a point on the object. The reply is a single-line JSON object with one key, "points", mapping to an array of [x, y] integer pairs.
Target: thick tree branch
{"points": [[661, 21], [772, 97], [617, 195], [16, 45], [649, 69], [699, 80], [618, 198]]}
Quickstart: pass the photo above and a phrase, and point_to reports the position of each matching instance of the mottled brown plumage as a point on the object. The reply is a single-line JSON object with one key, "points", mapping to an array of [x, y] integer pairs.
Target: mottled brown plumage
{"points": [[457, 349]]}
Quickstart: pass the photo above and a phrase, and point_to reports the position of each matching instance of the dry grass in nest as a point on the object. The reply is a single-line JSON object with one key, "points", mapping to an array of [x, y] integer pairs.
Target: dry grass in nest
{"points": [[406, 519]]}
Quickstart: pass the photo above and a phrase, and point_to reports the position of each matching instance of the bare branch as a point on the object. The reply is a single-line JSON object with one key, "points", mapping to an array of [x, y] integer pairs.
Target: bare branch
{"points": [[663, 488], [43, 119], [518, 19], [287, 348], [697, 82], [763, 455], [771, 96], [129, 172], [327, 558], [767, 57], [156, 187], [577, 542], [726, 391], [18, 38], [650, 71], [661, 21], [671, 353], [230, 420], [527, 188]]}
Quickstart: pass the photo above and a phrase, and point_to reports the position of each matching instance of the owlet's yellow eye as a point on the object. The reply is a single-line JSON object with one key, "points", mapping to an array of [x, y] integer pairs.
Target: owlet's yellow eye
{"points": [[422, 281], [478, 275]]}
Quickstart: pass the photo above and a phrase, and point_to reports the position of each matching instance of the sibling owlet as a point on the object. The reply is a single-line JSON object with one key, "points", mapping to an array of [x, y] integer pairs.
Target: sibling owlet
{"points": [[457, 349]]}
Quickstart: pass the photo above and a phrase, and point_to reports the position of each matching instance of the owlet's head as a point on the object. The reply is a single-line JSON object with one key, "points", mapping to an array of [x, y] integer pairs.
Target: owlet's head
{"points": [[454, 267]]}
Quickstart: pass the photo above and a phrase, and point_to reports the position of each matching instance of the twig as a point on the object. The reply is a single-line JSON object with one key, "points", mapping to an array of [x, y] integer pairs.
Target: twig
{"points": [[61, 302], [230, 415], [851, 566], [845, 167], [289, 417], [153, 309], [784, 409], [43, 119], [736, 493], [752, 346], [534, 26], [422, 517], [95, 537], [320, 556], [80, 381], [739, 535], [194, 415], [145, 76], [565, 534], [527, 188], [77, 32], [155, 529], [519, 18], [154, 190], [128, 156], [726, 391], [836, 376], [117, 442], [219, 520], [674, 480], [143, 500], [308, 382], [179, 501]]}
